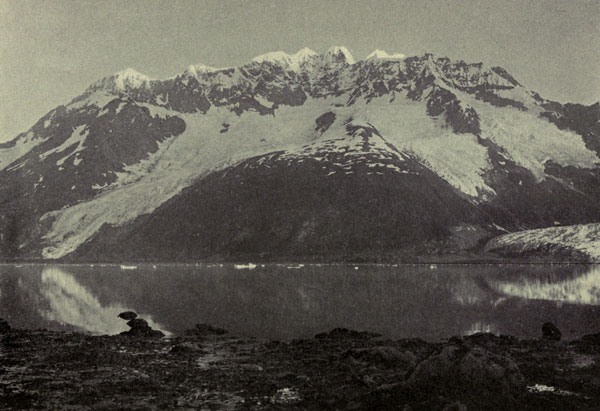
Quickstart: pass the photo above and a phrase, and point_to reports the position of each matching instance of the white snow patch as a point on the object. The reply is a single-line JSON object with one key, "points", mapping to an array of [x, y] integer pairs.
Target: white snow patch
{"points": [[161, 100], [122, 105], [157, 111], [542, 388], [196, 69], [263, 101], [382, 55], [78, 137], [23, 145], [98, 98], [99, 187], [130, 78], [500, 228]]}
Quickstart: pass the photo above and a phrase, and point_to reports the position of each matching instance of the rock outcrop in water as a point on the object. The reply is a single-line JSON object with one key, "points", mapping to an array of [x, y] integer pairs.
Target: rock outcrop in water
{"points": [[4, 326], [139, 327]]}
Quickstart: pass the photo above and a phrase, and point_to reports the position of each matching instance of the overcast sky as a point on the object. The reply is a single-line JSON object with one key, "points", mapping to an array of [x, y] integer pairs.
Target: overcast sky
{"points": [[51, 50]]}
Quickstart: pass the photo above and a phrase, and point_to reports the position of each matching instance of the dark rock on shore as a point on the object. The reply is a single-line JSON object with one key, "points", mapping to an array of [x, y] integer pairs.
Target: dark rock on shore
{"points": [[186, 347], [592, 339], [551, 332], [589, 344], [4, 326], [206, 329], [343, 333]]}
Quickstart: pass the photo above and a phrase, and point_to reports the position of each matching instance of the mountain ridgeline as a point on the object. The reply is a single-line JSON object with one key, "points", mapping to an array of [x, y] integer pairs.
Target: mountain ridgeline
{"points": [[304, 156]]}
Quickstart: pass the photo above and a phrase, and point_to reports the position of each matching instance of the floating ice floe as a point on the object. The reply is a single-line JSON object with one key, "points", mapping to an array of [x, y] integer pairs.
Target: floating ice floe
{"points": [[248, 266]]}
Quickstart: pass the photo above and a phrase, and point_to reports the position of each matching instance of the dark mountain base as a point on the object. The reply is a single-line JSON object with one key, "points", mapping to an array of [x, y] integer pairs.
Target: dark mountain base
{"points": [[274, 208], [327, 213], [341, 369]]}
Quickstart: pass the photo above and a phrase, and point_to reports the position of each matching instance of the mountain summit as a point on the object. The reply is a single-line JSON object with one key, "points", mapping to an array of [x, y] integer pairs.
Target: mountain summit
{"points": [[296, 156]]}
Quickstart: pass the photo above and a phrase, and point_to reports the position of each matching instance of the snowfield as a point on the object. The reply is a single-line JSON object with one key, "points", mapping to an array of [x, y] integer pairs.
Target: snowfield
{"points": [[22, 147], [201, 148]]}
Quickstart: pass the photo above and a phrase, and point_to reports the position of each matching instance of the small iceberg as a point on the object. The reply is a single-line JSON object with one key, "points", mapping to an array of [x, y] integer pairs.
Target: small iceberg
{"points": [[248, 266]]}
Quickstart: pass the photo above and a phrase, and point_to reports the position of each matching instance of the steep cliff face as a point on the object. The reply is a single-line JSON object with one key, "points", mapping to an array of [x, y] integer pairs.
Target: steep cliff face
{"points": [[297, 155]]}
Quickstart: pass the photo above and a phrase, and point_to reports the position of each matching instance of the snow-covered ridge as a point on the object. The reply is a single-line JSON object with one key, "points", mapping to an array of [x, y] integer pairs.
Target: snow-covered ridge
{"points": [[194, 69], [306, 60], [383, 55], [292, 61], [131, 78], [122, 81]]}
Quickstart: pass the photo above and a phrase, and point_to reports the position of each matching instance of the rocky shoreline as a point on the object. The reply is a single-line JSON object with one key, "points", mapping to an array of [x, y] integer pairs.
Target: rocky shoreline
{"points": [[207, 368]]}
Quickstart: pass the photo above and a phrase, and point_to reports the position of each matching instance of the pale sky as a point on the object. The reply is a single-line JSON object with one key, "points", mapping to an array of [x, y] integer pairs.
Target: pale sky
{"points": [[51, 50]]}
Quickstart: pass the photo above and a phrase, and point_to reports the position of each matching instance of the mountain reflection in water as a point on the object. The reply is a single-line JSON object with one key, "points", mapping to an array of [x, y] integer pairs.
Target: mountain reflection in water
{"points": [[584, 289], [273, 301], [71, 303]]}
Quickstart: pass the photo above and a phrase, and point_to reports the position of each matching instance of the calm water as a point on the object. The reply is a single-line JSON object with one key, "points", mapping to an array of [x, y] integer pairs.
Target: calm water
{"points": [[276, 301]]}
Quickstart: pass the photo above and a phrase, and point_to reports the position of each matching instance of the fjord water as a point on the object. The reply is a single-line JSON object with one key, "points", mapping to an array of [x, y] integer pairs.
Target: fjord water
{"points": [[280, 301]]}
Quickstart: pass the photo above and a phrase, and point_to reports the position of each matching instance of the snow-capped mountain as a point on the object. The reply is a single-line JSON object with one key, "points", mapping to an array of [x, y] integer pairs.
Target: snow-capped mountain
{"points": [[296, 156]]}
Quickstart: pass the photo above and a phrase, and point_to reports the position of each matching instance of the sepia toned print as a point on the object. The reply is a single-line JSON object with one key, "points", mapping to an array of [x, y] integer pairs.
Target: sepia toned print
{"points": [[299, 205]]}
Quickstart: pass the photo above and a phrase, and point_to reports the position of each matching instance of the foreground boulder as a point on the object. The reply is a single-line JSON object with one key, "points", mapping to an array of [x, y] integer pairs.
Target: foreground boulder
{"points": [[472, 375]]}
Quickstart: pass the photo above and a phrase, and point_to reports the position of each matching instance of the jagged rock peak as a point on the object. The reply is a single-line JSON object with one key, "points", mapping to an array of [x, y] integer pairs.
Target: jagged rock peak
{"points": [[128, 78], [195, 69], [292, 61], [339, 54], [383, 55]]}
